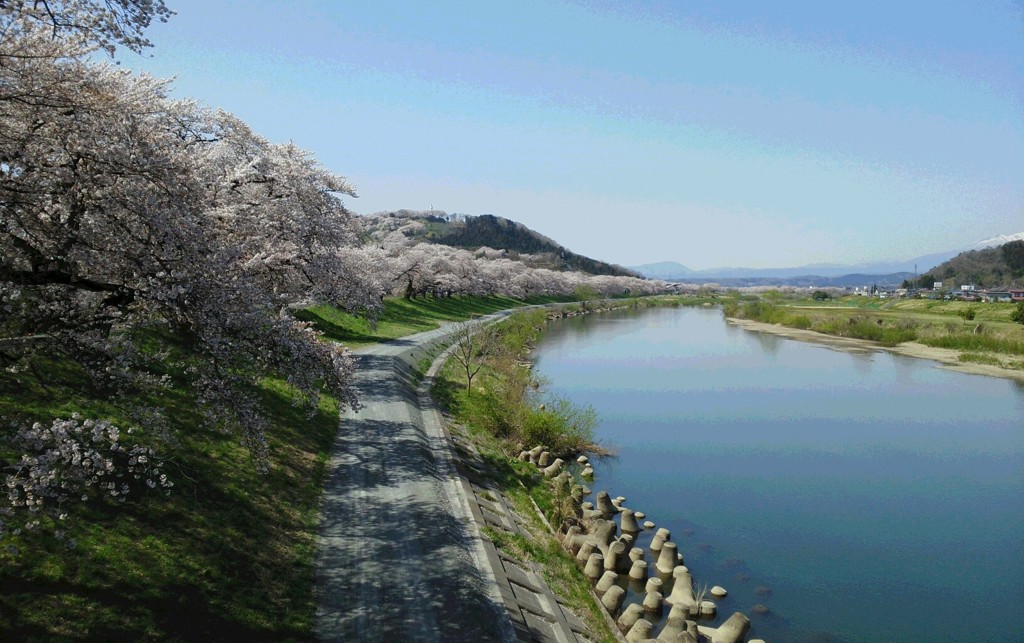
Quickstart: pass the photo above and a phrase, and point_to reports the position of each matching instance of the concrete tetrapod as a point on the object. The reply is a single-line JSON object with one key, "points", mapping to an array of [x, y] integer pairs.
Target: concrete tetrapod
{"points": [[682, 590], [667, 558], [608, 579], [614, 556], [603, 532], [553, 470], [678, 615], [630, 615], [653, 602], [595, 566], [613, 598], [676, 635], [659, 539], [641, 631], [707, 609], [629, 522], [544, 459], [732, 631], [636, 554], [604, 504], [569, 540], [673, 631], [639, 570], [587, 548]]}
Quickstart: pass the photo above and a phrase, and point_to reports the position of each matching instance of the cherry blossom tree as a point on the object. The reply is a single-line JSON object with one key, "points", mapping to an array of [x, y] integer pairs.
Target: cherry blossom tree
{"points": [[123, 211], [104, 23]]}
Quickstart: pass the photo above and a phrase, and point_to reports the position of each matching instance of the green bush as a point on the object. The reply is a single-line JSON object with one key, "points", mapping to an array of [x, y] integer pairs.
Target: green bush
{"points": [[1018, 313]]}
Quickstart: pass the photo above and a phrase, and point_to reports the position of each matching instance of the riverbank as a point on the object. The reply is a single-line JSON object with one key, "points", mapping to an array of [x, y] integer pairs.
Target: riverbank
{"points": [[949, 358], [505, 413], [743, 445]]}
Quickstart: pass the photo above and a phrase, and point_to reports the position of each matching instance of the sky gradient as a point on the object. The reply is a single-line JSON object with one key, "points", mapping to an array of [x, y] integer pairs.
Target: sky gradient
{"points": [[710, 133]]}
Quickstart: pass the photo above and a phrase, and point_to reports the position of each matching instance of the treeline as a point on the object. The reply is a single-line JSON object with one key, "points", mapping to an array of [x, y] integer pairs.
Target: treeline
{"points": [[498, 233]]}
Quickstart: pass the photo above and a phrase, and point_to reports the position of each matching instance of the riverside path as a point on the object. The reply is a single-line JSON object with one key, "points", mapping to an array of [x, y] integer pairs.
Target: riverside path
{"points": [[395, 561]]}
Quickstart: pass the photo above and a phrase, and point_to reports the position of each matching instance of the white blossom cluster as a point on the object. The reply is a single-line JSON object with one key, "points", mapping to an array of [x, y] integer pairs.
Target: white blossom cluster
{"points": [[416, 269], [72, 460]]}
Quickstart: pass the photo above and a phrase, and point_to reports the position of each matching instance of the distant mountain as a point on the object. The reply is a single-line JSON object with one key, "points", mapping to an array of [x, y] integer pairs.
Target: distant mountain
{"points": [[854, 280], [667, 270], [997, 241], [673, 271]]}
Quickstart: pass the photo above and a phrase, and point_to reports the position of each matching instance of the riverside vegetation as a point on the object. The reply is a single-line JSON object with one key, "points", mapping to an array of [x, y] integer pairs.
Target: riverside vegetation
{"points": [[231, 547], [507, 408], [986, 333], [167, 403], [230, 552]]}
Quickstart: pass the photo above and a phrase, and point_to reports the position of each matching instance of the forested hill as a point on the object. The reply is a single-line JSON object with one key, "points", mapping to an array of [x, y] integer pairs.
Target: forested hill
{"points": [[998, 267], [498, 233]]}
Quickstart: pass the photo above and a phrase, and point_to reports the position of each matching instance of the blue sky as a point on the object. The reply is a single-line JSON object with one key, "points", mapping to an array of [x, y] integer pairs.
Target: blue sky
{"points": [[711, 133]]}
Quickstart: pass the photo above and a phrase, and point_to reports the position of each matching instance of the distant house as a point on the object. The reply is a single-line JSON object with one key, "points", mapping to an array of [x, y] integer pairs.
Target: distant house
{"points": [[995, 295], [1016, 294]]}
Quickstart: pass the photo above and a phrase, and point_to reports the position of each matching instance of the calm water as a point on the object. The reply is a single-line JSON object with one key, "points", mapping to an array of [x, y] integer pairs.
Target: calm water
{"points": [[859, 496]]}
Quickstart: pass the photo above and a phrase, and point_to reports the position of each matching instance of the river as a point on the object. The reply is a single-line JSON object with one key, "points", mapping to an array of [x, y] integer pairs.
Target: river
{"points": [[859, 496]]}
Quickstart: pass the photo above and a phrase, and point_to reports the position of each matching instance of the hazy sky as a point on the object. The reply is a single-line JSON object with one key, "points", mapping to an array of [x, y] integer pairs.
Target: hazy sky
{"points": [[712, 133]]}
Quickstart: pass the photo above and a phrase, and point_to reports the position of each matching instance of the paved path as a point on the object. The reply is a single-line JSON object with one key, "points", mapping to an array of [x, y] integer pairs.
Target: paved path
{"points": [[395, 560], [400, 552]]}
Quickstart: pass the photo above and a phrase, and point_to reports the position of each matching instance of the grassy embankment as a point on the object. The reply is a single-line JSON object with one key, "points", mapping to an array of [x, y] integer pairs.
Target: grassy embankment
{"points": [[508, 409], [503, 411], [988, 337], [229, 554]]}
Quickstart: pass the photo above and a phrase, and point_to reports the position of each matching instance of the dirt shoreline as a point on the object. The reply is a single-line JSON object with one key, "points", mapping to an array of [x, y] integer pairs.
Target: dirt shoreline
{"points": [[949, 358]]}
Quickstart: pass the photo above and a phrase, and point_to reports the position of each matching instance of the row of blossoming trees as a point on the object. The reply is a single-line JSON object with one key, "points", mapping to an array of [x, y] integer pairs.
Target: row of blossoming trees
{"points": [[124, 212]]}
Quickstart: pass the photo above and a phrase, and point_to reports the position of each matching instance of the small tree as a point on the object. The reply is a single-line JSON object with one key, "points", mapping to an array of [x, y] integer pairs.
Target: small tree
{"points": [[584, 293], [1018, 313], [472, 345], [968, 313], [821, 295]]}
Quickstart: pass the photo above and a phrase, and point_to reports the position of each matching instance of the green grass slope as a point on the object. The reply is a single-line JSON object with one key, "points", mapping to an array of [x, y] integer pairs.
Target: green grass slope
{"points": [[229, 554]]}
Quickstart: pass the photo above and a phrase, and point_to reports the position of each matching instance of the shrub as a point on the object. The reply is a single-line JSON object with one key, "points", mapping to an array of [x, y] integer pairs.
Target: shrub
{"points": [[1018, 313]]}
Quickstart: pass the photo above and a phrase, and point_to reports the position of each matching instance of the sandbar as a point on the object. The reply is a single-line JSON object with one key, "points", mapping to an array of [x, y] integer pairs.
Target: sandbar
{"points": [[948, 357]]}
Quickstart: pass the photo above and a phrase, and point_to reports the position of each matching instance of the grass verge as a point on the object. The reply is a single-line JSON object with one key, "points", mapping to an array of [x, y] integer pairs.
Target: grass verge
{"points": [[400, 317], [503, 413]]}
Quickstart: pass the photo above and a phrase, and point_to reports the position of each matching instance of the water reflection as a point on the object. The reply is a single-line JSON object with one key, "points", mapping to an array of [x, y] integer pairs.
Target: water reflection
{"points": [[770, 342], [862, 362], [816, 473]]}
